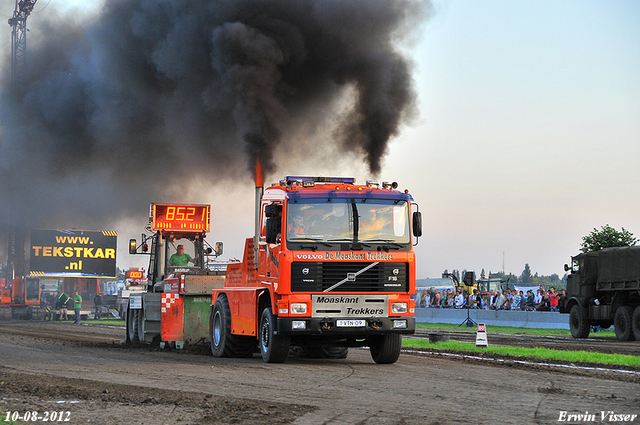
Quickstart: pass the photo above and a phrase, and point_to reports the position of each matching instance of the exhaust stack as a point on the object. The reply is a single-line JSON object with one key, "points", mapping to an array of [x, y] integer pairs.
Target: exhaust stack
{"points": [[259, 191]]}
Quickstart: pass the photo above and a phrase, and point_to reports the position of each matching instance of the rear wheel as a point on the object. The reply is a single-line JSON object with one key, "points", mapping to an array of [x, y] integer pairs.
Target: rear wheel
{"points": [[141, 325], [385, 349], [622, 323], [578, 323], [635, 323], [132, 326], [274, 348], [223, 342], [220, 322]]}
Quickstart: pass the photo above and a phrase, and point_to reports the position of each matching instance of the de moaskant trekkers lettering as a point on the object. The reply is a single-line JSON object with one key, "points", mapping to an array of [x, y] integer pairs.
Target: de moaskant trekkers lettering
{"points": [[368, 256], [350, 300]]}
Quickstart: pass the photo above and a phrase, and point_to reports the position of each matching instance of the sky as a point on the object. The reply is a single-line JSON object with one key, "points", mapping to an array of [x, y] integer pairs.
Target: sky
{"points": [[525, 137]]}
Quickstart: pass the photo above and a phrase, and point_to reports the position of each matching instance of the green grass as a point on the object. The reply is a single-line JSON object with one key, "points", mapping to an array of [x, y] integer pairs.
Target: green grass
{"points": [[539, 353], [506, 330]]}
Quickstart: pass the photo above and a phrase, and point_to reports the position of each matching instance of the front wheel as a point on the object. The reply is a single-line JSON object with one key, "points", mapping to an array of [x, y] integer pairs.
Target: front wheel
{"points": [[274, 347], [385, 349], [578, 324], [622, 323]]}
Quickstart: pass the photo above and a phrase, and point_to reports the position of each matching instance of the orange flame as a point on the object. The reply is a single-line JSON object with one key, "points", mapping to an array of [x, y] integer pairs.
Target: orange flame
{"points": [[259, 175]]}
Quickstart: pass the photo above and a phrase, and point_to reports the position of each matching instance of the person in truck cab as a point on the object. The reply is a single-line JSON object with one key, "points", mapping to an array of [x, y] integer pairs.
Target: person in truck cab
{"points": [[374, 222], [298, 227], [180, 258]]}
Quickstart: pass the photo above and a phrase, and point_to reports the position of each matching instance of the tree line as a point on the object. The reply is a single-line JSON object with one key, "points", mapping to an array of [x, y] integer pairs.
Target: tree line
{"points": [[526, 278], [597, 239]]}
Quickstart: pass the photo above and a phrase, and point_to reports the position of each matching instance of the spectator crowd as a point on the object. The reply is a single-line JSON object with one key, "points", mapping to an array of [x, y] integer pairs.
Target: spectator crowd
{"points": [[511, 299]]}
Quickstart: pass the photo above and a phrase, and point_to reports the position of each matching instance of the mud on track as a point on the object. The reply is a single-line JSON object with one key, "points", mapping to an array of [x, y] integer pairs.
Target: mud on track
{"points": [[93, 401], [103, 403], [58, 366]]}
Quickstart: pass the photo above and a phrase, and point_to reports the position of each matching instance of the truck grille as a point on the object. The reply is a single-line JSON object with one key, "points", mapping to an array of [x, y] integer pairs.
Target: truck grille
{"points": [[318, 276]]}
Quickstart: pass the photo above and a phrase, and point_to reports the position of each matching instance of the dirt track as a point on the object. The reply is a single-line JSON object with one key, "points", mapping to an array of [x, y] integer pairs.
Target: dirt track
{"points": [[84, 370]]}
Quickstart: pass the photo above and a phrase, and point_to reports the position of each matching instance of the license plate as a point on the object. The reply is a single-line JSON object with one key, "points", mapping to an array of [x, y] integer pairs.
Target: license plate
{"points": [[351, 323]]}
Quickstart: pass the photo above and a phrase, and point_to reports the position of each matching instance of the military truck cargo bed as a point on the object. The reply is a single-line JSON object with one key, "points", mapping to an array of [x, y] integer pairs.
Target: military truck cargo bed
{"points": [[619, 269]]}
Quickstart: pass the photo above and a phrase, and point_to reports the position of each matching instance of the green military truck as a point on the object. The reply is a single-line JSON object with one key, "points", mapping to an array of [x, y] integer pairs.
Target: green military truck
{"points": [[603, 289]]}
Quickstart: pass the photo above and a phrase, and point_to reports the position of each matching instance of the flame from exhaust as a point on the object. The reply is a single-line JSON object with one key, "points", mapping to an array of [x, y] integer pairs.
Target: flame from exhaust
{"points": [[259, 174]]}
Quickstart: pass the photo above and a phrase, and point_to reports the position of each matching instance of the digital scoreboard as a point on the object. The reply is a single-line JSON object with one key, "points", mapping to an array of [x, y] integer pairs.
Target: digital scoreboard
{"points": [[180, 217], [135, 274]]}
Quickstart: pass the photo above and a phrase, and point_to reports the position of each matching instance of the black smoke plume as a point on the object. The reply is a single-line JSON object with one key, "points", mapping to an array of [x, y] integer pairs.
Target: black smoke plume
{"points": [[128, 106]]}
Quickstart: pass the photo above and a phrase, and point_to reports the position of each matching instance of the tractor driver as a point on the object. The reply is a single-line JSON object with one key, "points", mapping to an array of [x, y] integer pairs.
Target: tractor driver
{"points": [[180, 258]]}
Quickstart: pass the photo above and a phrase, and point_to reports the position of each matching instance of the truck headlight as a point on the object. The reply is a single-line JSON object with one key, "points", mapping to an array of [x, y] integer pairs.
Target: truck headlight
{"points": [[298, 308], [399, 308], [399, 324], [299, 324]]}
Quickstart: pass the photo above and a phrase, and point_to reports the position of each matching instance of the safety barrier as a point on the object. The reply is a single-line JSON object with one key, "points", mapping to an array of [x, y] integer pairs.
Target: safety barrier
{"points": [[519, 319]]}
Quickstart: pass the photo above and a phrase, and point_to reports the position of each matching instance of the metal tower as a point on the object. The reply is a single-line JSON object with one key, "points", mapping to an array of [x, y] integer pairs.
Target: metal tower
{"points": [[19, 38]]}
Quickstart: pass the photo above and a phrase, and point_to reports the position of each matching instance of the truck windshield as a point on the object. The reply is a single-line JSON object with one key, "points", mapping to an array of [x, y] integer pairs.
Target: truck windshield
{"points": [[348, 221]]}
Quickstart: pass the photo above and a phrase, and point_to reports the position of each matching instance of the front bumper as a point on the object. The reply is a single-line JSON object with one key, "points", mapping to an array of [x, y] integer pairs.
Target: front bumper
{"points": [[327, 326]]}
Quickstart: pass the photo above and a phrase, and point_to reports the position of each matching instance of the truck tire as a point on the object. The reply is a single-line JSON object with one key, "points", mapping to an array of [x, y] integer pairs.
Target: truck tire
{"points": [[223, 342], [635, 320], [622, 323], [385, 349], [274, 348], [578, 324], [132, 326], [141, 325]]}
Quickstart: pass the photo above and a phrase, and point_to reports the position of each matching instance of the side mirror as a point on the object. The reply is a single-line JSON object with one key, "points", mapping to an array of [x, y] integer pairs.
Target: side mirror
{"points": [[132, 246], [271, 230], [273, 212], [218, 249], [417, 224]]}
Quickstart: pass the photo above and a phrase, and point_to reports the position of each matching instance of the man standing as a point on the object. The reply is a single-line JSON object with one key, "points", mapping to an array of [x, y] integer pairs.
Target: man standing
{"points": [[498, 301], [459, 299], [77, 305], [515, 302], [62, 304], [98, 303], [553, 299]]}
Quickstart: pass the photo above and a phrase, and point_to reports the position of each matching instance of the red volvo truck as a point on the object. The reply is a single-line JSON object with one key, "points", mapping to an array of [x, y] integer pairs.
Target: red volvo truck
{"points": [[331, 266]]}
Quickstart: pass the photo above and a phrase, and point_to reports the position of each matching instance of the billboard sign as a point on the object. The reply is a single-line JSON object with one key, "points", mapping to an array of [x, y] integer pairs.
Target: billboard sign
{"points": [[73, 252]]}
